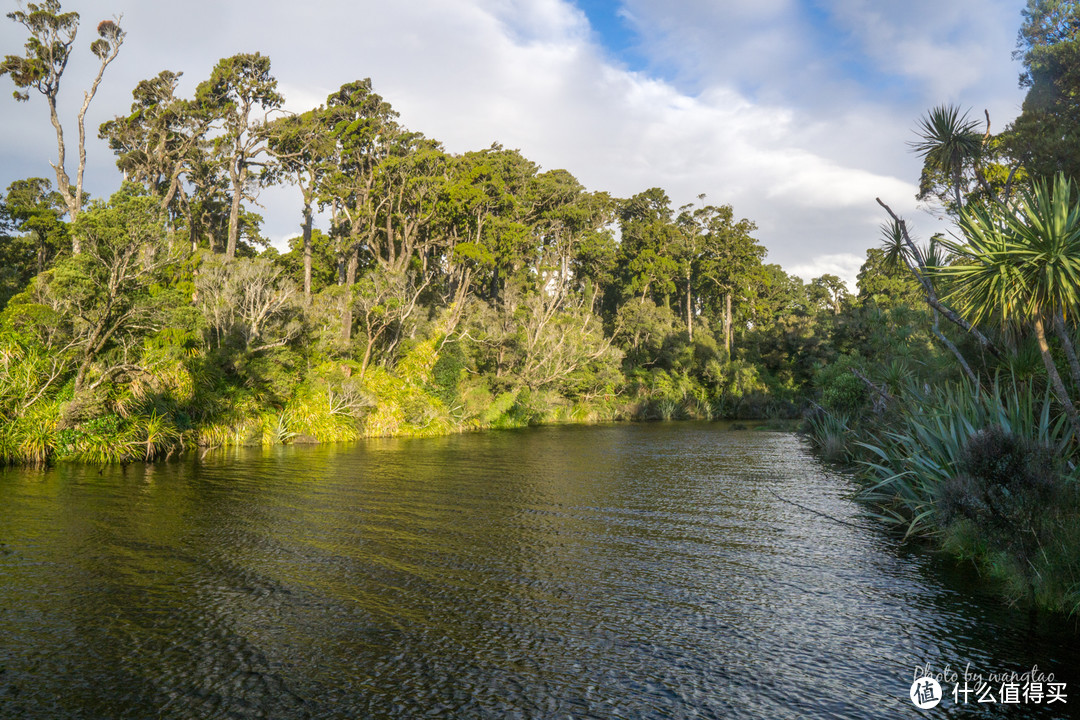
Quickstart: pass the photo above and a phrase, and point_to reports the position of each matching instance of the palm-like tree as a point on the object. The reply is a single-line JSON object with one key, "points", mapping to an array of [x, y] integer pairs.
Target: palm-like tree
{"points": [[948, 141], [1020, 265]]}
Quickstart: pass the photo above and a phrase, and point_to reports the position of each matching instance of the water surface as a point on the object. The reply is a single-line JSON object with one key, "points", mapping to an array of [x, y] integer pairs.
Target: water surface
{"points": [[632, 571]]}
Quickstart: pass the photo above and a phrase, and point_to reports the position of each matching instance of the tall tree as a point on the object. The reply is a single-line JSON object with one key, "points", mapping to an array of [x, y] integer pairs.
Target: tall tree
{"points": [[48, 49], [696, 250], [408, 182], [33, 207], [779, 296], [884, 280], [304, 146], [648, 235], [469, 200], [505, 209], [1046, 135], [363, 125], [579, 246], [160, 141], [921, 262], [239, 88], [102, 294], [730, 262], [832, 290]]}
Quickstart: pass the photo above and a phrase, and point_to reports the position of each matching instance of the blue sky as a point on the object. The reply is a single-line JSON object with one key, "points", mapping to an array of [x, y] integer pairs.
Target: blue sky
{"points": [[797, 112], [831, 43], [615, 32]]}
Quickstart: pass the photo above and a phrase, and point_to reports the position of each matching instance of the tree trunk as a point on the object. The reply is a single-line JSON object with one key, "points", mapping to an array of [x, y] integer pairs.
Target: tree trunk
{"points": [[957, 180], [930, 294], [1070, 350], [88, 97], [689, 311], [63, 181], [954, 350], [1055, 378], [727, 323], [350, 280], [307, 253], [234, 219], [41, 249]]}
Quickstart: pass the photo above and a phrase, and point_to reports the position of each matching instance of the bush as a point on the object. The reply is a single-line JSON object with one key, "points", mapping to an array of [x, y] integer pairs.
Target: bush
{"points": [[841, 391], [1008, 502]]}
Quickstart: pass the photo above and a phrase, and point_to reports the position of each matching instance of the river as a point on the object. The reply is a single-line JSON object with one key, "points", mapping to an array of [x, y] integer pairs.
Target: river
{"points": [[677, 570]]}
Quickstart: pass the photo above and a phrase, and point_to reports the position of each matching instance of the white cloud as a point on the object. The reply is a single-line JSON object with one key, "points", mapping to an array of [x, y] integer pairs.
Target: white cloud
{"points": [[843, 265], [749, 108], [949, 48]]}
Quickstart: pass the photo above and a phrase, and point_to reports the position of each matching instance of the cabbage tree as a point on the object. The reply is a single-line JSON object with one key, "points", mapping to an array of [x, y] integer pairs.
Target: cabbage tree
{"points": [[1020, 265], [948, 143]]}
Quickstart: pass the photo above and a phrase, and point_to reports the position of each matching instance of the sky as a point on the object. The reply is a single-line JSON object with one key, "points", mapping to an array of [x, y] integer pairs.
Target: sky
{"points": [[798, 113]]}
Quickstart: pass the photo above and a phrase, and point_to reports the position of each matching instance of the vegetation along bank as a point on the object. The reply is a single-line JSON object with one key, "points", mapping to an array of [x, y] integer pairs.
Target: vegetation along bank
{"points": [[474, 290]]}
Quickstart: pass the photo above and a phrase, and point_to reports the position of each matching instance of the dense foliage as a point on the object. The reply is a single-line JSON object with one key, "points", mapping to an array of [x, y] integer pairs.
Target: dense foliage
{"points": [[459, 291], [972, 440], [448, 291]]}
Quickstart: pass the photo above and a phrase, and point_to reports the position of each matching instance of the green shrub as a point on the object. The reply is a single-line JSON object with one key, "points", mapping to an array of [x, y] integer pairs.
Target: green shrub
{"points": [[841, 391]]}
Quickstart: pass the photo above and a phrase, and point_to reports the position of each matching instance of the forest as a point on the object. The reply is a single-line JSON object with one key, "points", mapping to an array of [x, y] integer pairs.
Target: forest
{"points": [[464, 291], [450, 292]]}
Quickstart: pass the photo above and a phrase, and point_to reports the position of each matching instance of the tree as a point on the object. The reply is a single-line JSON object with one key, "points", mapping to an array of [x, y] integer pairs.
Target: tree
{"points": [[688, 251], [642, 328], [320, 253], [708, 237], [33, 207], [731, 262], [833, 291], [1046, 135], [382, 301], [247, 303], [238, 87], [408, 183], [488, 205], [948, 144], [48, 49], [885, 281], [556, 340], [1022, 265], [206, 203], [161, 140], [780, 295], [363, 125], [102, 294], [566, 220], [303, 147], [923, 264], [648, 234], [899, 247], [469, 201]]}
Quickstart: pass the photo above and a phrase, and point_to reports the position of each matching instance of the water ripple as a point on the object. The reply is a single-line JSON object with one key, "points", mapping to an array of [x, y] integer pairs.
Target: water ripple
{"points": [[607, 572]]}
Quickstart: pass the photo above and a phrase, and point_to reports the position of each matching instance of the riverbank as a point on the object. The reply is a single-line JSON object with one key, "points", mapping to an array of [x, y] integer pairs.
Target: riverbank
{"points": [[173, 409], [986, 475]]}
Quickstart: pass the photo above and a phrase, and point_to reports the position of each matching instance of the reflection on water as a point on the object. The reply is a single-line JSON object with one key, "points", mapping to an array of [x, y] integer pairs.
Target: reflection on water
{"points": [[643, 571]]}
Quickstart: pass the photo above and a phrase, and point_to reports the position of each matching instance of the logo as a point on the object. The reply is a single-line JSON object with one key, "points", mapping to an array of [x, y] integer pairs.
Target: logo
{"points": [[925, 693]]}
